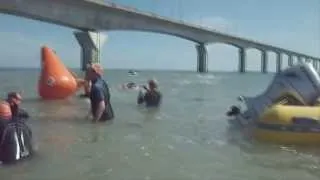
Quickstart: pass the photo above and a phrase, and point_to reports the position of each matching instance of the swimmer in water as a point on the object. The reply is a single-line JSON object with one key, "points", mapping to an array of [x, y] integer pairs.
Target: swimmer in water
{"points": [[101, 108], [152, 97], [15, 135], [129, 85], [14, 99]]}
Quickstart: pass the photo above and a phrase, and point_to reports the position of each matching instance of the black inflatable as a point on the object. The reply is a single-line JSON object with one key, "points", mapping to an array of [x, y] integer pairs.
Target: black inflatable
{"points": [[15, 141]]}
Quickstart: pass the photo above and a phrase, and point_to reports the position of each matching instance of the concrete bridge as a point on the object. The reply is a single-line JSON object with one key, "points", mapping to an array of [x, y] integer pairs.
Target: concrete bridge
{"points": [[91, 16]]}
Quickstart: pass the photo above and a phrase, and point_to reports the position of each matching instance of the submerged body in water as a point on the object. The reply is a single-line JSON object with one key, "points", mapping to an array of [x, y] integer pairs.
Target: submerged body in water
{"points": [[129, 86], [101, 108], [151, 97]]}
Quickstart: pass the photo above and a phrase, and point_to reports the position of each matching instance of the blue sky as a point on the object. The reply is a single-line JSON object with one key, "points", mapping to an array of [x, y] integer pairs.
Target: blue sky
{"points": [[293, 24]]}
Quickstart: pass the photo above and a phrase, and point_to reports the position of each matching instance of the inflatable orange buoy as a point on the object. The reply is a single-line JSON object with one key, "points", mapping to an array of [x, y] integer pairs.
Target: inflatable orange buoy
{"points": [[56, 81]]}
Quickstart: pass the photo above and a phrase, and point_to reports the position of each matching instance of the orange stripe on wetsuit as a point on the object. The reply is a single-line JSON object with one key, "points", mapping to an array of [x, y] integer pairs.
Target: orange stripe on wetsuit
{"points": [[5, 111]]}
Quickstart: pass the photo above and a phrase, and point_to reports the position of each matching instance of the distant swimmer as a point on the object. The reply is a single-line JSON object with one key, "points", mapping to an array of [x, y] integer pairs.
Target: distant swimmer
{"points": [[152, 97], [130, 85], [101, 108]]}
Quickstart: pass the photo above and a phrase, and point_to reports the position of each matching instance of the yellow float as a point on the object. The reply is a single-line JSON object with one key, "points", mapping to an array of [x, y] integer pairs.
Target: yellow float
{"points": [[289, 125], [289, 121]]}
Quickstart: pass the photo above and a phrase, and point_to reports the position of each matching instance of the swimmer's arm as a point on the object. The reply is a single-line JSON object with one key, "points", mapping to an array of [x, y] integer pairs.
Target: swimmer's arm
{"points": [[141, 98]]}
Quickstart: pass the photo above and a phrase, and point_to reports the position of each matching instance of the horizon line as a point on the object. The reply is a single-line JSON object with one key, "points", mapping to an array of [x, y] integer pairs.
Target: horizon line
{"points": [[139, 69]]}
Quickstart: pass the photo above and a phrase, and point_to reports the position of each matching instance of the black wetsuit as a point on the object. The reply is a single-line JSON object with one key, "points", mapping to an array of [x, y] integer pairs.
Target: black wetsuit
{"points": [[18, 113], [8, 128], [150, 98]]}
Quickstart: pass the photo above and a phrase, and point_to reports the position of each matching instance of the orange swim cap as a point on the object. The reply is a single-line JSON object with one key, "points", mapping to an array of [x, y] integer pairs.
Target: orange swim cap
{"points": [[5, 110]]}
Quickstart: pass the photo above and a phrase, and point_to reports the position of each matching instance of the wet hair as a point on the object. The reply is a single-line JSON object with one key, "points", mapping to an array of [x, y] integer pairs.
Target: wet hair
{"points": [[13, 95], [152, 83]]}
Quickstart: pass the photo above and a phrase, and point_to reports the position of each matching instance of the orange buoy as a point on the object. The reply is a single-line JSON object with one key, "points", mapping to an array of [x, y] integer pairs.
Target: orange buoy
{"points": [[56, 81]]}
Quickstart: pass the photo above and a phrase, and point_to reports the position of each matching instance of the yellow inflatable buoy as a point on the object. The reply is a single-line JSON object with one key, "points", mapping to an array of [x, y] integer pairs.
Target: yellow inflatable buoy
{"points": [[287, 124]]}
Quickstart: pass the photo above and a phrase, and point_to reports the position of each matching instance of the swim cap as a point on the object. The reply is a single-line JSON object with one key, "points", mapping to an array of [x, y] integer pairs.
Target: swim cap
{"points": [[5, 110], [97, 68]]}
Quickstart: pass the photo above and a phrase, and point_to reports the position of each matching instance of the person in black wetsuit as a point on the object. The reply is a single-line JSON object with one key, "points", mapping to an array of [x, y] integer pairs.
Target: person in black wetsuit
{"points": [[13, 130], [152, 97], [101, 108]]}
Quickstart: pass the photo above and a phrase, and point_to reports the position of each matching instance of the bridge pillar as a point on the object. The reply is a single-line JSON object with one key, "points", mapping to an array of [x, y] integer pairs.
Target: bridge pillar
{"points": [[279, 61], [304, 59], [315, 64], [307, 60], [202, 58], [242, 60], [264, 61], [90, 43], [290, 60], [299, 59]]}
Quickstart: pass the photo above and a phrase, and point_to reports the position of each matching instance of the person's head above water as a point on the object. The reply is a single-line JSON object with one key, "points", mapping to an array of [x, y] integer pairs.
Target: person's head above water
{"points": [[14, 98], [153, 84], [95, 71]]}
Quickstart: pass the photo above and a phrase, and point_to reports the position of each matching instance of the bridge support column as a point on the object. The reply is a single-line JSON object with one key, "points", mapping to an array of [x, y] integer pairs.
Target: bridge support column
{"points": [[279, 62], [315, 64], [264, 61], [290, 60], [202, 58], [299, 59], [90, 43], [242, 60], [304, 59], [307, 60]]}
